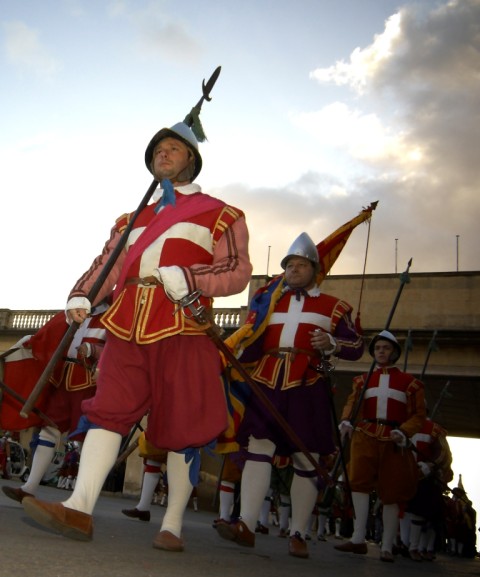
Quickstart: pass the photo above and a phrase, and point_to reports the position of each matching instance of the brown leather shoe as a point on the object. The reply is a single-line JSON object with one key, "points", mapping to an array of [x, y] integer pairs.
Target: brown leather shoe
{"points": [[168, 542], [16, 494], [237, 532], [297, 547], [415, 555], [349, 547], [261, 529], [69, 522], [386, 556], [136, 514]]}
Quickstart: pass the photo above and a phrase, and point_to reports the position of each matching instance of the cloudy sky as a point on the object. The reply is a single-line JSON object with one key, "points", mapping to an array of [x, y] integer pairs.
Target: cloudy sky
{"points": [[322, 107]]}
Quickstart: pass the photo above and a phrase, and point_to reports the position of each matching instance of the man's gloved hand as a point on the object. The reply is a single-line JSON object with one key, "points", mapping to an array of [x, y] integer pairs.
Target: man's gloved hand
{"points": [[346, 429], [173, 281], [77, 309], [425, 468], [398, 437]]}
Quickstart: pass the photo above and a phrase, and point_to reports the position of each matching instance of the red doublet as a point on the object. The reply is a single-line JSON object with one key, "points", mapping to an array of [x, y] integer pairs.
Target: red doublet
{"points": [[392, 400], [432, 446], [77, 374], [156, 361], [145, 314], [423, 440], [71, 382], [290, 327]]}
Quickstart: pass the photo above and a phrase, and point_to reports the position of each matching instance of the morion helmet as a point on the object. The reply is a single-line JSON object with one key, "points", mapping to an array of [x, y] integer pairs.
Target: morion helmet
{"points": [[181, 132], [386, 336], [303, 246]]}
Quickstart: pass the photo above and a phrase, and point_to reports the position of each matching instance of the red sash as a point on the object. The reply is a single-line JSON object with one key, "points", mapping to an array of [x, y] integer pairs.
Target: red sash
{"points": [[187, 206]]}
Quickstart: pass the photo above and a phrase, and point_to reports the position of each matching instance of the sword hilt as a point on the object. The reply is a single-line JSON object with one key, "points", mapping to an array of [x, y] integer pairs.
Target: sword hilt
{"points": [[191, 307]]}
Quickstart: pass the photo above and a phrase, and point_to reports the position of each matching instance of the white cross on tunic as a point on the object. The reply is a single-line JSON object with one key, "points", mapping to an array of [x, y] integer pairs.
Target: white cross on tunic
{"points": [[150, 259], [293, 318], [383, 393]]}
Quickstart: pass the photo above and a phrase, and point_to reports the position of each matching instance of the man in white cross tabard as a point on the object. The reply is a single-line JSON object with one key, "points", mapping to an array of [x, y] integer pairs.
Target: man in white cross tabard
{"points": [[391, 411], [301, 324]]}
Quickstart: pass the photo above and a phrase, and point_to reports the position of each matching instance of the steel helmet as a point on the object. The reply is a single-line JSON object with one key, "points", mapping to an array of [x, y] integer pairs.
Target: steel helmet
{"points": [[181, 132], [303, 246], [386, 336]]}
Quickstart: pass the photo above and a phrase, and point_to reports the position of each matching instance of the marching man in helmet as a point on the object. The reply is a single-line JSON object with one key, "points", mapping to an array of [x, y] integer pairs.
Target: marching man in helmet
{"points": [[155, 360], [392, 410], [294, 326]]}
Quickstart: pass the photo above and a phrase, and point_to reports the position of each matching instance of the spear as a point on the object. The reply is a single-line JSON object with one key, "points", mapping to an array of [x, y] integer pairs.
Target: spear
{"points": [[408, 348], [67, 338], [432, 346], [443, 395]]}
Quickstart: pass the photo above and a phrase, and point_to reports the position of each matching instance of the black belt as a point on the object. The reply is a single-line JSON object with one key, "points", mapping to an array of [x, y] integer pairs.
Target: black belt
{"points": [[74, 361], [394, 424], [282, 351]]}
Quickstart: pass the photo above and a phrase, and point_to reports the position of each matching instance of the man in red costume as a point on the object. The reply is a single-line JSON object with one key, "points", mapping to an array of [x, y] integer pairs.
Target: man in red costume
{"points": [[73, 381], [426, 511], [284, 351], [392, 410], [156, 360]]}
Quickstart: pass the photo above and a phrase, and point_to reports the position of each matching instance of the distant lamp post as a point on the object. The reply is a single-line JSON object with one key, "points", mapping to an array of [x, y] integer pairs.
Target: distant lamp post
{"points": [[458, 236], [396, 254]]}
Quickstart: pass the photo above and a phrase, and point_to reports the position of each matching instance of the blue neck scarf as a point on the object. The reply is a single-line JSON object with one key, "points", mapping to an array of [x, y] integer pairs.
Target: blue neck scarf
{"points": [[168, 196]]}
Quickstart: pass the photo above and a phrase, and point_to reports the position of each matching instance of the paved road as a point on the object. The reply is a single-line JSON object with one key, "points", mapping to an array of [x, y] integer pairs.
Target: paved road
{"points": [[122, 548]]}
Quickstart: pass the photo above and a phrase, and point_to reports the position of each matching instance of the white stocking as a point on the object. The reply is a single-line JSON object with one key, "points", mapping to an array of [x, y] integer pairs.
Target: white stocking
{"points": [[265, 509], [227, 496], [322, 523], [255, 481], [390, 526], [284, 511], [361, 502], [150, 482], [415, 531], [405, 527], [179, 491], [99, 453], [303, 493], [48, 438]]}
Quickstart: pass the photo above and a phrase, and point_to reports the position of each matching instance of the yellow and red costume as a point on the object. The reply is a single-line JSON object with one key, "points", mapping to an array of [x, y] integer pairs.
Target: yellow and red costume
{"points": [[278, 352], [72, 380], [156, 361], [392, 400]]}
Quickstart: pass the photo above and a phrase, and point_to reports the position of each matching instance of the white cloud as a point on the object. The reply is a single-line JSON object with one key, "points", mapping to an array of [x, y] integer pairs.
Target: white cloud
{"points": [[412, 117], [363, 64], [25, 50]]}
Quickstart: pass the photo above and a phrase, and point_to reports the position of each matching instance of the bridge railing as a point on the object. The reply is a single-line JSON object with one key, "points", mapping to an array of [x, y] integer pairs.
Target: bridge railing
{"points": [[31, 321]]}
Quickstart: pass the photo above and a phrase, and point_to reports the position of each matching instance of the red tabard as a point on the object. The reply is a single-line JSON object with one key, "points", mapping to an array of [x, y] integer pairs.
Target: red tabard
{"points": [[145, 314], [76, 376], [391, 395], [290, 326]]}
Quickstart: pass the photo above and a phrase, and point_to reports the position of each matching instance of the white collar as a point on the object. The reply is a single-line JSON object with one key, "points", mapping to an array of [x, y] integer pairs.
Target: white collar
{"points": [[191, 188], [313, 292]]}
